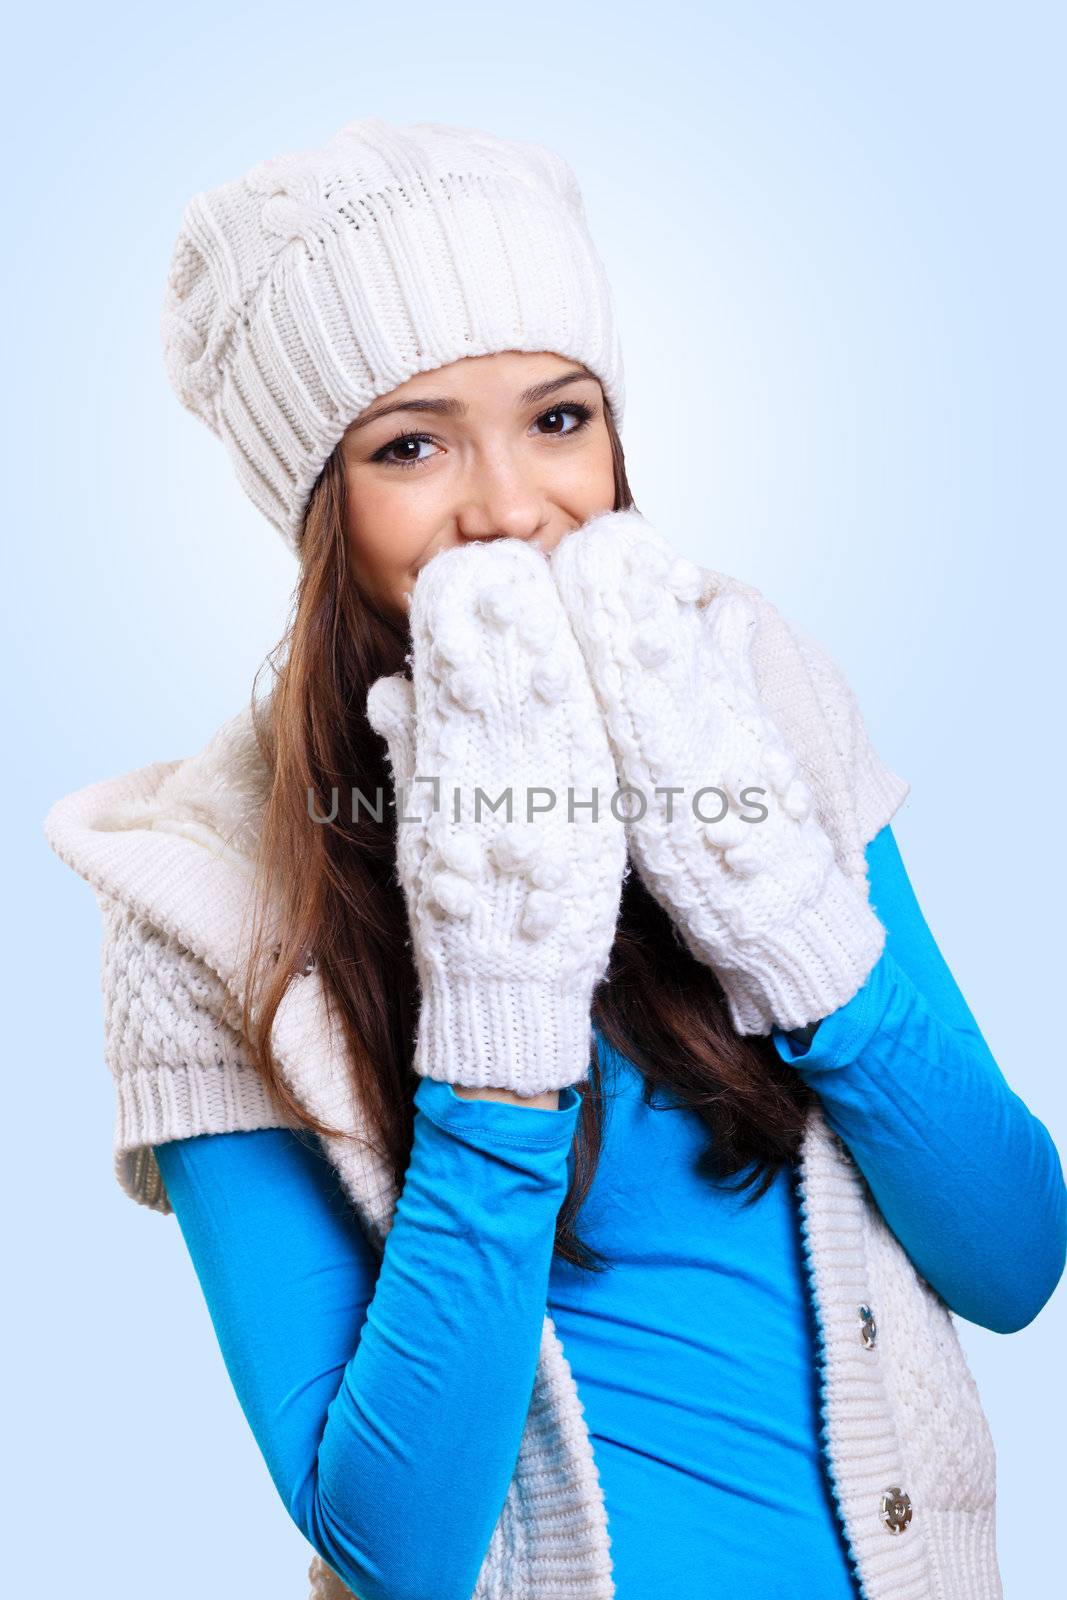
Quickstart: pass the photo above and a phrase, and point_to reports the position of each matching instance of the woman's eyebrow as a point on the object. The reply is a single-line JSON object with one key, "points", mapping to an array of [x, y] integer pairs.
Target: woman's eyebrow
{"points": [[458, 408]]}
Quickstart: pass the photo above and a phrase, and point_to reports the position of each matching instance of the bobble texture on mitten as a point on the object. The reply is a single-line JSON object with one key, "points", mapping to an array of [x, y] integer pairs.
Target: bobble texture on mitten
{"points": [[512, 882], [736, 855]]}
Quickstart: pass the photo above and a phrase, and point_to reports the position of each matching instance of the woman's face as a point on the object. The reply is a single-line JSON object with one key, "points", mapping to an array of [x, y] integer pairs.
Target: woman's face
{"points": [[510, 445]]}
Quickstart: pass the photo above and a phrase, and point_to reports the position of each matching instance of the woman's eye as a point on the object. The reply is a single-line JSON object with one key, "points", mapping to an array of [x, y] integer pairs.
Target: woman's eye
{"points": [[579, 412], [407, 457]]}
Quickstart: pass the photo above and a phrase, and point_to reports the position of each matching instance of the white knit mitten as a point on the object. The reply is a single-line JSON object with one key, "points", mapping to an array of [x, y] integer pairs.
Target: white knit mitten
{"points": [[512, 920], [764, 903]]}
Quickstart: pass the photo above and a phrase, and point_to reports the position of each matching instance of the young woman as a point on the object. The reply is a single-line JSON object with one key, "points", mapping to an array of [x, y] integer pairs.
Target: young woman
{"points": [[583, 1153]]}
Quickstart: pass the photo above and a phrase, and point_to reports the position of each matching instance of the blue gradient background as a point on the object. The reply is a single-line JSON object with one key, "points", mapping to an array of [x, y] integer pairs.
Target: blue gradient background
{"points": [[837, 247]]}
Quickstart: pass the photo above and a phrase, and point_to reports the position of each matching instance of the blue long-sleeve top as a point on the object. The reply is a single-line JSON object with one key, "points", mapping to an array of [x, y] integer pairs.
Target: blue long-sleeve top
{"points": [[389, 1400]]}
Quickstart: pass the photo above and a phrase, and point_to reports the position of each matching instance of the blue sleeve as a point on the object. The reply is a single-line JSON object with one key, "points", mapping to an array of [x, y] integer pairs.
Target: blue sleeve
{"points": [[966, 1176], [388, 1399]]}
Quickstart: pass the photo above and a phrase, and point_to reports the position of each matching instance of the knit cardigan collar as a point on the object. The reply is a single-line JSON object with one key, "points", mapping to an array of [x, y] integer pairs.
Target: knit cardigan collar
{"points": [[901, 1421]]}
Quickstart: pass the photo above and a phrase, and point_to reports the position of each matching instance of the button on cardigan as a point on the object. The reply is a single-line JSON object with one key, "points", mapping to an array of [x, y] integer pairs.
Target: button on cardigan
{"points": [[169, 850], [391, 1435]]}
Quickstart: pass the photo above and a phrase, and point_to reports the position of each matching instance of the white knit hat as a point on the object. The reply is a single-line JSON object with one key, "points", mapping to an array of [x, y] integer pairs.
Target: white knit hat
{"points": [[299, 293]]}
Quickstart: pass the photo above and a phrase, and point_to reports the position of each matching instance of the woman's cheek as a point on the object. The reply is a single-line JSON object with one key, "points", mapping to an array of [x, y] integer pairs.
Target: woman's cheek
{"points": [[587, 482]]}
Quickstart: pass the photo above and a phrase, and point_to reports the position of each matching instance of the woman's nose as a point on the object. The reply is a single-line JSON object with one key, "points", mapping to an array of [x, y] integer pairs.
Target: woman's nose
{"points": [[502, 504]]}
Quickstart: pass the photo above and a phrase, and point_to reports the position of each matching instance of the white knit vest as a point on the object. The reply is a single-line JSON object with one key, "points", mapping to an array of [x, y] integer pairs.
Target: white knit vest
{"points": [[169, 850]]}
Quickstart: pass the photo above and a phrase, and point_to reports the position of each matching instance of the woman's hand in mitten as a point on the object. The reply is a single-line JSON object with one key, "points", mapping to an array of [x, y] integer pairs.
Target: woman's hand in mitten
{"points": [[763, 902], [513, 909]]}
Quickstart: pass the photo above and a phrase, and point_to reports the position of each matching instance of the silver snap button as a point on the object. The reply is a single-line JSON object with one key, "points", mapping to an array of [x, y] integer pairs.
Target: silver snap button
{"points": [[869, 1330], [896, 1509]]}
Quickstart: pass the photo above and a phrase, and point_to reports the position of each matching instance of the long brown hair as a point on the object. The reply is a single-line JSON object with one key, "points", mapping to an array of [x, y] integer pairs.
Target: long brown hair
{"points": [[342, 904]]}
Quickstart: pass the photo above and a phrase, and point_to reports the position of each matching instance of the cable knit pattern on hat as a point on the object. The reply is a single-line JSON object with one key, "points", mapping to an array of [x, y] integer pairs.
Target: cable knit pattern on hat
{"points": [[324, 278], [512, 909], [764, 902]]}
